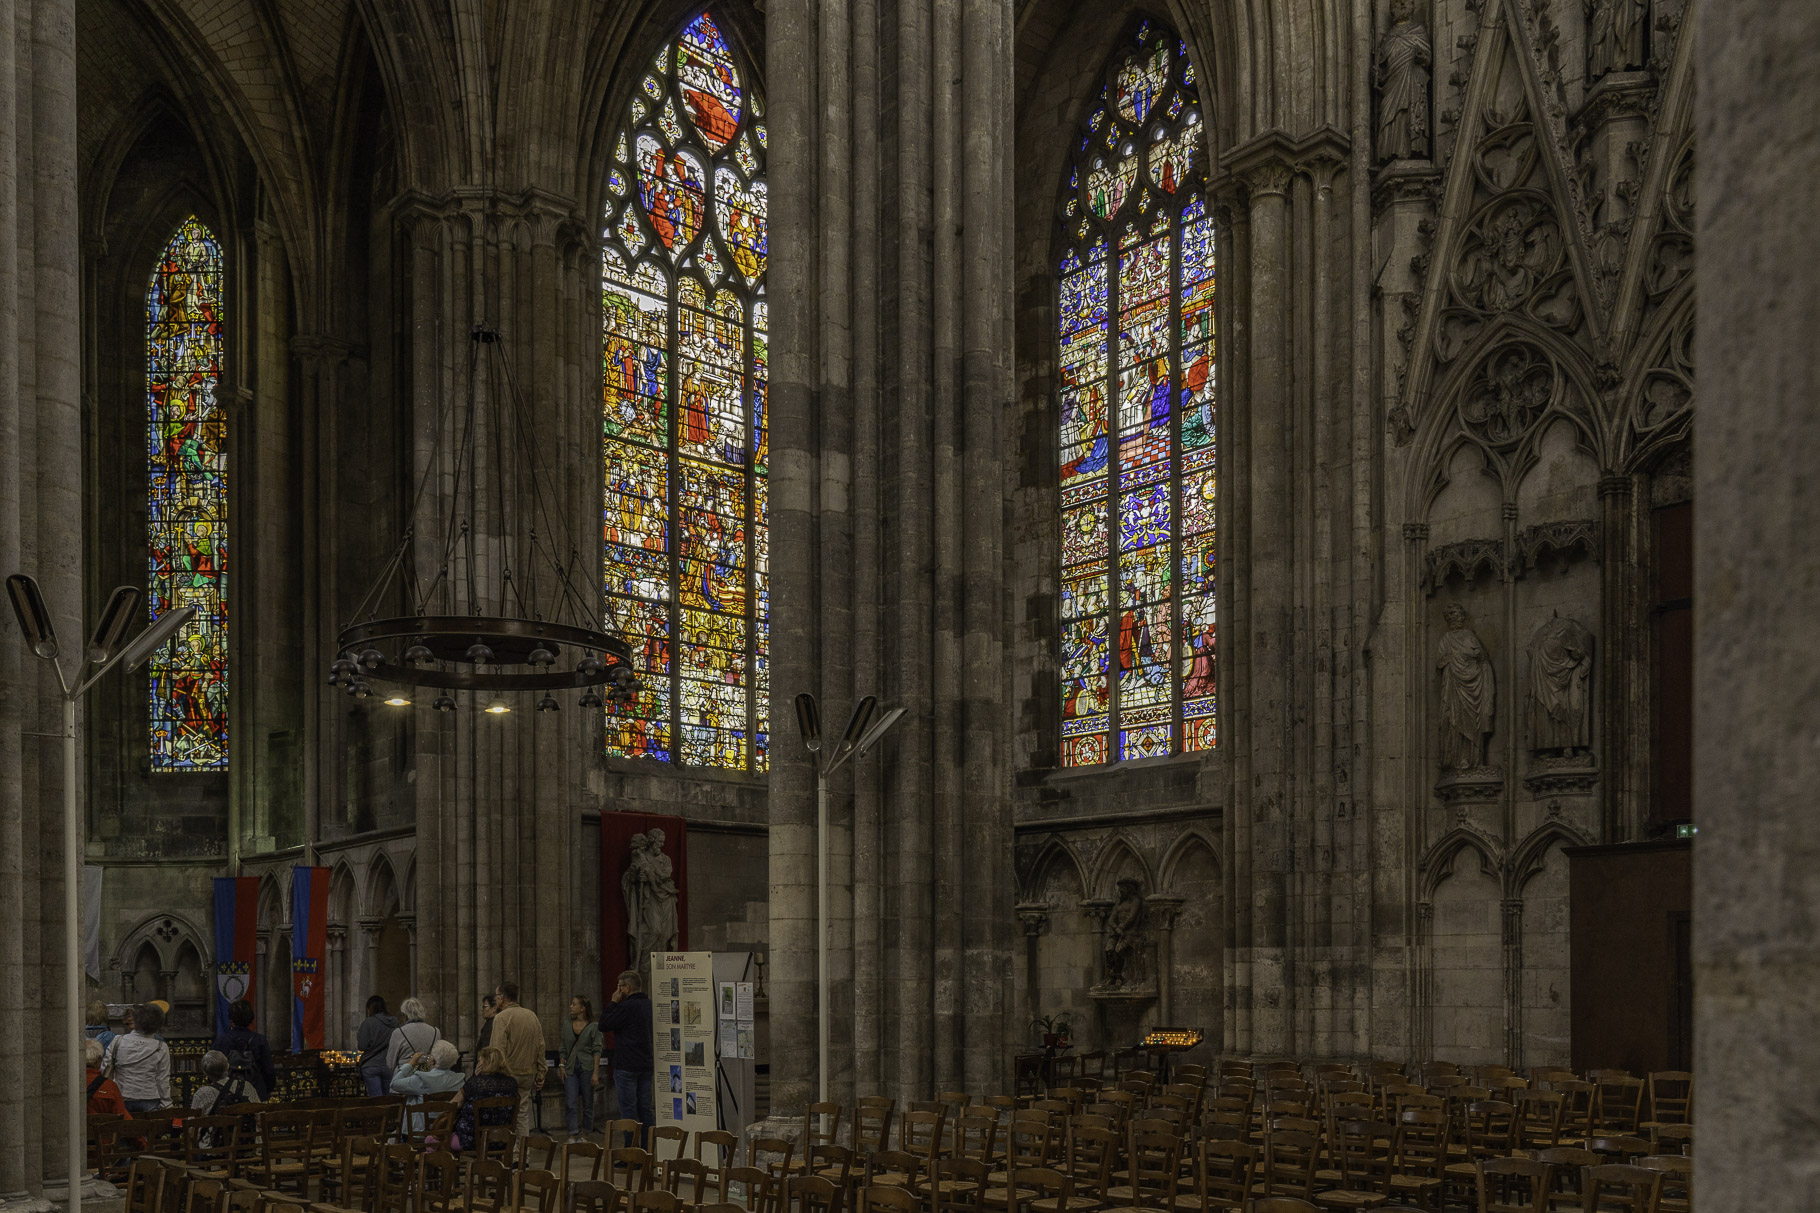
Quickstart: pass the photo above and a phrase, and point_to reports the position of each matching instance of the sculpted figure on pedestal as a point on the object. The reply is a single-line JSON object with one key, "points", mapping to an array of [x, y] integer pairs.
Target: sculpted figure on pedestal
{"points": [[1404, 57], [650, 894], [1124, 933], [1468, 691], [1614, 36], [1560, 672]]}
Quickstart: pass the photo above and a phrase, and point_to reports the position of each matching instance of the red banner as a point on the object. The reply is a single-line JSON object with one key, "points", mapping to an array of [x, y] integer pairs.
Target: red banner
{"points": [[236, 943], [309, 952], [617, 830]]}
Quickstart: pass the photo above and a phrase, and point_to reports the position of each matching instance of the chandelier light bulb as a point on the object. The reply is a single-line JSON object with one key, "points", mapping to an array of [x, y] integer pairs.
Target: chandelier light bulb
{"points": [[480, 654], [397, 701], [444, 703], [372, 658], [417, 654], [497, 708], [590, 699], [548, 704]]}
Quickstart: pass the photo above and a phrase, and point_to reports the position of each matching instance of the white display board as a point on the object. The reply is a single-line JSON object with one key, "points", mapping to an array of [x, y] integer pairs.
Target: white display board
{"points": [[683, 1039]]}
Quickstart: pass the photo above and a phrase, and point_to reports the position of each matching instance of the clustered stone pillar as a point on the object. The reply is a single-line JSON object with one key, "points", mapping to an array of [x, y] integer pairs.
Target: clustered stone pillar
{"points": [[1757, 571], [40, 534], [890, 325]]}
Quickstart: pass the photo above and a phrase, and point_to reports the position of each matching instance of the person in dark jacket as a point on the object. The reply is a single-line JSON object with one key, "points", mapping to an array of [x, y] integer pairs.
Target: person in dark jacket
{"points": [[249, 1054], [373, 1039], [628, 1017]]}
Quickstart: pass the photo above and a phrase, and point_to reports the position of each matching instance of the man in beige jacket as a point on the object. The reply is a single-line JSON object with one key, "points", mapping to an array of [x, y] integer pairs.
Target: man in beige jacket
{"points": [[518, 1034]]}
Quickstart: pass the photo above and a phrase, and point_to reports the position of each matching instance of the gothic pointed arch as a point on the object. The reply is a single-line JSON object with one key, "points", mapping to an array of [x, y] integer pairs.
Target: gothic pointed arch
{"points": [[683, 526], [1137, 416]]}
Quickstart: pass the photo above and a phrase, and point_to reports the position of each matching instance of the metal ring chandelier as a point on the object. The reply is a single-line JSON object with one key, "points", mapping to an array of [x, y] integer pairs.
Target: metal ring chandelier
{"points": [[471, 623]]}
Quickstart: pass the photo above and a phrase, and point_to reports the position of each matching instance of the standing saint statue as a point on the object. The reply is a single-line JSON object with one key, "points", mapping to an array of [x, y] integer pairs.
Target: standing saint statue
{"points": [[1404, 57], [1614, 36], [1124, 933], [1560, 669], [1468, 689], [650, 894]]}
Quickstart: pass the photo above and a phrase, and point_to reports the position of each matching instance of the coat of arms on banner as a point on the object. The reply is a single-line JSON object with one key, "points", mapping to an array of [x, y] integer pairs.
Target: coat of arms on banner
{"points": [[232, 977], [303, 975]]}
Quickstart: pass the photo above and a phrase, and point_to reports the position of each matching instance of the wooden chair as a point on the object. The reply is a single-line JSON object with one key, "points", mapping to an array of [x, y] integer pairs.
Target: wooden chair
{"points": [[422, 1118], [1671, 1098], [589, 1196], [837, 1165], [920, 1133], [755, 1189], [1539, 1119], [1513, 1185], [958, 1185], [210, 1146], [1566, 1188], [285, 1143], [539, 1191], [771, 1155], [812, 1194], [1047, 1190], [490, 1187], [632, 1133], [1619, 1105], [656, 1201], [585, 1157], [976, 1137], [667, 1142], [631, 1170], [689, 1179], [1616, 1186], [1677, 1195], [1619, 1147], [355, 1180], [888, 1200], [1577, 1100], [538, 1152], [1421, 1156], [895, 1169], [717, 1150], [871, 1124], [1290, 1159], [1029, 1143], [1363, 1153], [1224, 1174], [495, 1134], [439, 1183], [144, 1185], [1027, 1074], [396, 1187], [1673, 1139], [1090, 1156]]}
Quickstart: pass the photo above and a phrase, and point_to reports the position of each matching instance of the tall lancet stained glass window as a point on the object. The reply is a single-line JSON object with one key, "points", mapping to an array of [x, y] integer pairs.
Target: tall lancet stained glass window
{"points": [[1137, 418], [186, 501], [683, 417]]}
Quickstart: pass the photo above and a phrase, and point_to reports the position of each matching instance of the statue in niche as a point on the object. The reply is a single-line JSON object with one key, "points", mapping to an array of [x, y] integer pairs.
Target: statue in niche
{"points": [[1125, 924], [1614, 36], [1468, 692], [1404, 58], [1560, 675], [650, 893]]}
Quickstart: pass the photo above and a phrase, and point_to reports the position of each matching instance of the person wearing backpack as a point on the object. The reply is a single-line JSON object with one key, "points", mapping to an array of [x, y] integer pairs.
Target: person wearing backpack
{"points": [[221, 1090], [141, 1063], [374, 1041], [248, 1053], [410, 1038], [103, 1095]]}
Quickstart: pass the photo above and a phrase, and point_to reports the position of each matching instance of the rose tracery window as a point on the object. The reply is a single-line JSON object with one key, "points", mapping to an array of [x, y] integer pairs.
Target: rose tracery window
{"points": [[1137, 418]]}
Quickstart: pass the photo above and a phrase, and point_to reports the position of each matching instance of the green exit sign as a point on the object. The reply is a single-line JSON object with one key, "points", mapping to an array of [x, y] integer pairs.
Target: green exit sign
{"points": [[1686, 829]]}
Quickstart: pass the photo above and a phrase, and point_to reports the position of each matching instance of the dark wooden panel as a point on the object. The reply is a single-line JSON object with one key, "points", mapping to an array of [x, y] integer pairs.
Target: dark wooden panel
{"points": [[1630, 905], [1672, 667]]}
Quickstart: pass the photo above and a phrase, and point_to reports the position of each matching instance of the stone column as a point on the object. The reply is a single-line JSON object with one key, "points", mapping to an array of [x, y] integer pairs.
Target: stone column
{"points": [[1162, 909], [40, 534], [1757, 653], [1035, 919]]}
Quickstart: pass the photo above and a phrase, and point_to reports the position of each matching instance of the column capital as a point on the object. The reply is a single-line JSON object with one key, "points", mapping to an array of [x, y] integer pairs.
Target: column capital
{"points": [[1163, 908], [1097, 908], [1035, 917], [370, 926]]}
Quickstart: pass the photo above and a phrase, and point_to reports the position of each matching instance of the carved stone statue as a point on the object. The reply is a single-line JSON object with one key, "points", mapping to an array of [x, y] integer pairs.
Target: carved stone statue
{"points": [[1614, 36], [1468, 692], [1404, 57], [1560, 674], [1125, 924], [650, 895]]}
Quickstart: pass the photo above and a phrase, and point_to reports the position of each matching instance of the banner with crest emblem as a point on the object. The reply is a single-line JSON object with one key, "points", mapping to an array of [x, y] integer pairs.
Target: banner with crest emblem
{"points": [[236, 942], [309, 946]]}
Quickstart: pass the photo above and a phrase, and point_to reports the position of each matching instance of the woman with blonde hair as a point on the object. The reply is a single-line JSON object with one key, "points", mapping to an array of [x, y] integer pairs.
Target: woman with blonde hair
{"points": [[490, 1081]]}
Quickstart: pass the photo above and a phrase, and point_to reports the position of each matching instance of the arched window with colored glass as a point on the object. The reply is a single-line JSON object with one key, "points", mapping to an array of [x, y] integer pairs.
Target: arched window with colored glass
{"points": [[186, 501], [1137, 412], [683, 409]]}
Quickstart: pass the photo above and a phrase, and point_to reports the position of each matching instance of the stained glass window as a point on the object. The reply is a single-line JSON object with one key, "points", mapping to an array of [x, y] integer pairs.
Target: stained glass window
{"points": [[683, 410], [186, 501], [1137, 418]]}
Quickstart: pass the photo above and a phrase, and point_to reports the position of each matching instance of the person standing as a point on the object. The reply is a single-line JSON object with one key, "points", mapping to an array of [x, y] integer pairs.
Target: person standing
{"points": [[518, 1035], [487, 1011], [248, 1053], [628, 1017], [580, 1066], [414, 1036], [372, 1041], [140, 1063], [96, 1028]]}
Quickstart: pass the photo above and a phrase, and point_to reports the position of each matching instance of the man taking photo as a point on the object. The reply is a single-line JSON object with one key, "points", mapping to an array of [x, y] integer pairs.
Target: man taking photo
{"points": [[628, 1017]]}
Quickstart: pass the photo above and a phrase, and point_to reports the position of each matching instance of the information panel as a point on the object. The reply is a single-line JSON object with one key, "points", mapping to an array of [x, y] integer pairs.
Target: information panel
{"points": [[683, 1006]]}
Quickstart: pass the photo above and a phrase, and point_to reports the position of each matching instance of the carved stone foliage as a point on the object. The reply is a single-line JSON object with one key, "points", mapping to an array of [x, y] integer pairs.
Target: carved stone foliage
{"points": [[1671, 254], [1469, 559], [1663, 407], [1515, 386]]}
